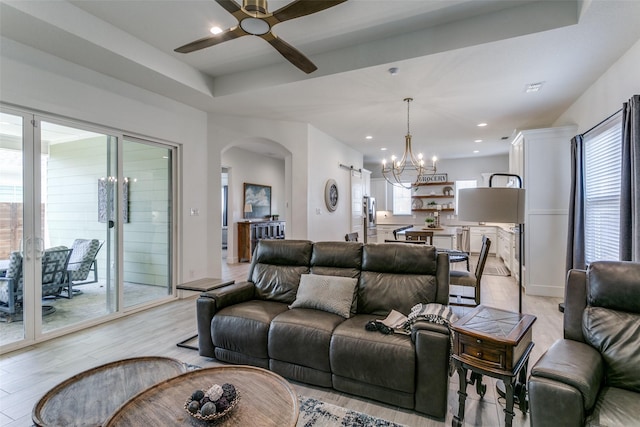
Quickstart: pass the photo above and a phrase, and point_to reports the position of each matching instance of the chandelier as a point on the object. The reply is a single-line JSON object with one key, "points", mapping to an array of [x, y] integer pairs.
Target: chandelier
{"points": [[409, 163]]}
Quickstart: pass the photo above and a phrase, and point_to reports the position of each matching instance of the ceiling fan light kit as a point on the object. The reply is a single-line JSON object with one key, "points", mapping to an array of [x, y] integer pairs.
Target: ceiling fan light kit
{"points": [[255, 20]]}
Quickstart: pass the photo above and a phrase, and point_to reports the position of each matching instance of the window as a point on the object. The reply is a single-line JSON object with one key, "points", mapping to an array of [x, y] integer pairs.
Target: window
{"points": [[602, 163], [401, 200]]}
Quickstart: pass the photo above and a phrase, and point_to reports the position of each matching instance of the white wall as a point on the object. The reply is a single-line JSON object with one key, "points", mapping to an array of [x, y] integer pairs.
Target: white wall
{"points": [[311, 158], [35, 80], [606, 95], [325, 156]]}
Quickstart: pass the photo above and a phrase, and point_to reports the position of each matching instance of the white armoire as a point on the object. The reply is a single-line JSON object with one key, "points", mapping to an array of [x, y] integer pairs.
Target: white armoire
{"points": [[542, 158]]}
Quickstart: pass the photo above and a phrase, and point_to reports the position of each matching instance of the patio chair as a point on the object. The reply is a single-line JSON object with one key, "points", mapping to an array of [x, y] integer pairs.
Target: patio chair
{"points": [[82, 262], [54, 280]]}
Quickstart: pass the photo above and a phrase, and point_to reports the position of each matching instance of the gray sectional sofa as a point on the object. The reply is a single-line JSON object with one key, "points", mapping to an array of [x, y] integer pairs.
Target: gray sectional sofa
{"points": [[303, 310]]}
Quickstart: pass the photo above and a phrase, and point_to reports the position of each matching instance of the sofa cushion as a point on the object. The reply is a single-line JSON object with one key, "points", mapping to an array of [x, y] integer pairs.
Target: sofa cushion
{"points": [[337, 259], [615, 407], [327, 293], [381, 293], [616, 335], [244, 328], [396, 277], [302, 336], [371, 357], [614, 285], [277, 266]]}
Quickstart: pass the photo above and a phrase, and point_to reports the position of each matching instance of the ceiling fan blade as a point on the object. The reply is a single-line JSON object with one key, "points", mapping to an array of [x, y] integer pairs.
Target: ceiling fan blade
{"points": [[290, 53], [302, 8], [229, 34], [229, 5]]}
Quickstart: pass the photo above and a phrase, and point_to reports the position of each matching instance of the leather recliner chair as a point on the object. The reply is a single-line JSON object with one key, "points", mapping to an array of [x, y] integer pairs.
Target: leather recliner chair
{"points": [[592, 376]]}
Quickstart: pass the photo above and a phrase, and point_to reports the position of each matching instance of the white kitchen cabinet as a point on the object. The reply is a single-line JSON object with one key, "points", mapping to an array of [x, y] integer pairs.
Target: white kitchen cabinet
{"points": [[385, 232], [505, 247], [383, 194], [542, 158], [476, 234], [444, 242]]}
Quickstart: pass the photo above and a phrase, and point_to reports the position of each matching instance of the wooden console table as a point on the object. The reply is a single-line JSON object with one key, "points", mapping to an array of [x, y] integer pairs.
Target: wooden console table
{"points": [[250, 232], [497, 343]]}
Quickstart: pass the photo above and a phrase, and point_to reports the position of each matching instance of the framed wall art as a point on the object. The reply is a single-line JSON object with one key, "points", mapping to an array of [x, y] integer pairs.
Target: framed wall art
{"points": [[257, 201]]}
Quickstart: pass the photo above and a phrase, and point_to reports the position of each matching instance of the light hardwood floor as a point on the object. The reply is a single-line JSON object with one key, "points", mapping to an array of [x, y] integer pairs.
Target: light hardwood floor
{"points": [[26, 374]]}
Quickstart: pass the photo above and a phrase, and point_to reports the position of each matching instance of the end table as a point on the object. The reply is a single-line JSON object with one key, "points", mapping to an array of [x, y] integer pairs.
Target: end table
{"points": [[497, 343]]}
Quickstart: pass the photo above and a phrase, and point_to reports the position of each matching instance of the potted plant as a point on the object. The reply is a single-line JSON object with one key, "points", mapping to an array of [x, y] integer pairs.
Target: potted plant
{"points": [[430, 222]]}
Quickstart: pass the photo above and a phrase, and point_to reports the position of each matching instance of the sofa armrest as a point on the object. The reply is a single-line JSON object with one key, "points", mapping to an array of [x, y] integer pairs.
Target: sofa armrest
{"points": [[433, 345], [210, 302], [565, 383], [424, 325]]}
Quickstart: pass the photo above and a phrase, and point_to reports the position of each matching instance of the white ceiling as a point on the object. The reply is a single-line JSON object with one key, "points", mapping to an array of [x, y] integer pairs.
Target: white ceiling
{"points": [[463, 62]]}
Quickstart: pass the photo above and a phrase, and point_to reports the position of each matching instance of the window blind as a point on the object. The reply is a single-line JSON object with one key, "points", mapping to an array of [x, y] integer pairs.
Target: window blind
{"points": [[602, 163]]}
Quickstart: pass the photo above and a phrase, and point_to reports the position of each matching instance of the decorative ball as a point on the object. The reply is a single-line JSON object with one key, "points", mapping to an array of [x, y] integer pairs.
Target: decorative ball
{"points": [[229, 392], [214, 393], [197, 395], [204, 400], [194, 406], [207, 409], [222, 404]]}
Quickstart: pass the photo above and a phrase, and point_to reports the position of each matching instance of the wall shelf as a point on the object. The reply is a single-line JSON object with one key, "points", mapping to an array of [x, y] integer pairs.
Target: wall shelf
{"points": [[433, 183], [434, 210], [432, 196]]}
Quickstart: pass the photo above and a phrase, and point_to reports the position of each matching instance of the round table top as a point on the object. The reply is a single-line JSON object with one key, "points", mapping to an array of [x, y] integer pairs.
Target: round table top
{"points": [[266, 399], [90, 397]]}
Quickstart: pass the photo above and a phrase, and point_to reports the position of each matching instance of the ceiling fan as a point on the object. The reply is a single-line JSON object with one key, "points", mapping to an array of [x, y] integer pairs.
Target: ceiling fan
{"points": [[255, 20]]}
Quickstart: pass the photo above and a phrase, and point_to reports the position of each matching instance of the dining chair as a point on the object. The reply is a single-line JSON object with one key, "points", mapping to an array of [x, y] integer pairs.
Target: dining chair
{"points": [[469, 279], [351, 237]]}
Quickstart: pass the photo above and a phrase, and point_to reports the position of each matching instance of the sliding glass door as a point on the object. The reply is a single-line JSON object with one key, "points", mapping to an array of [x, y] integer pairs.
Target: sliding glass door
{"points": [[79, 202], [12, 225], [85, 224], [147, 169]]}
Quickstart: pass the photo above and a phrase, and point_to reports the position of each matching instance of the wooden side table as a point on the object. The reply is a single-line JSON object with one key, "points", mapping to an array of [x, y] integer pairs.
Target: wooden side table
{"points": [[497, 343]]}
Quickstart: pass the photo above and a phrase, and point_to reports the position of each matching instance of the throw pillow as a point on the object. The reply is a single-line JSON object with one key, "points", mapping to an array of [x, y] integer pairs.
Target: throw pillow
{"points": [[332, 294]]}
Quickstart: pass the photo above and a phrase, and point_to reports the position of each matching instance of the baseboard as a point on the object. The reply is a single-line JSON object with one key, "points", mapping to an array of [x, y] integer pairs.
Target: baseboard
{"points": [[545, 291]]}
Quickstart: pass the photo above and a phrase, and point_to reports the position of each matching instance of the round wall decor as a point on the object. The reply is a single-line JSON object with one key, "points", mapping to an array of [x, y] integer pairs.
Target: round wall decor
{"points": [[331, 195]]}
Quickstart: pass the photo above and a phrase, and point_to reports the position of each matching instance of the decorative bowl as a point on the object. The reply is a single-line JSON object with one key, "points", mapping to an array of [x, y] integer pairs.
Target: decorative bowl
{"points": [[217, 415]]}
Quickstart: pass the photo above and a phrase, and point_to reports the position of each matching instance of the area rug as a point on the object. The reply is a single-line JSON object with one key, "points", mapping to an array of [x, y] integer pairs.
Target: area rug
{"points": [[315, 413], [496, 271]]}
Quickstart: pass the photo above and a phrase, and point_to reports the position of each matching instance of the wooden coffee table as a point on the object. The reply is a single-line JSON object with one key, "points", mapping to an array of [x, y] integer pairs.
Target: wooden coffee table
{"points": [[89, 398], [266, 399]]}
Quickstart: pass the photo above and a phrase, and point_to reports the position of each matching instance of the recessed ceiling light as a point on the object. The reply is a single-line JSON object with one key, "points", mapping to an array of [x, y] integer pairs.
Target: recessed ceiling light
{"points": [[481, 125], [215, 30], [383, 149], [478, 140], [533, 87], [368, 137], [476, 151]]}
